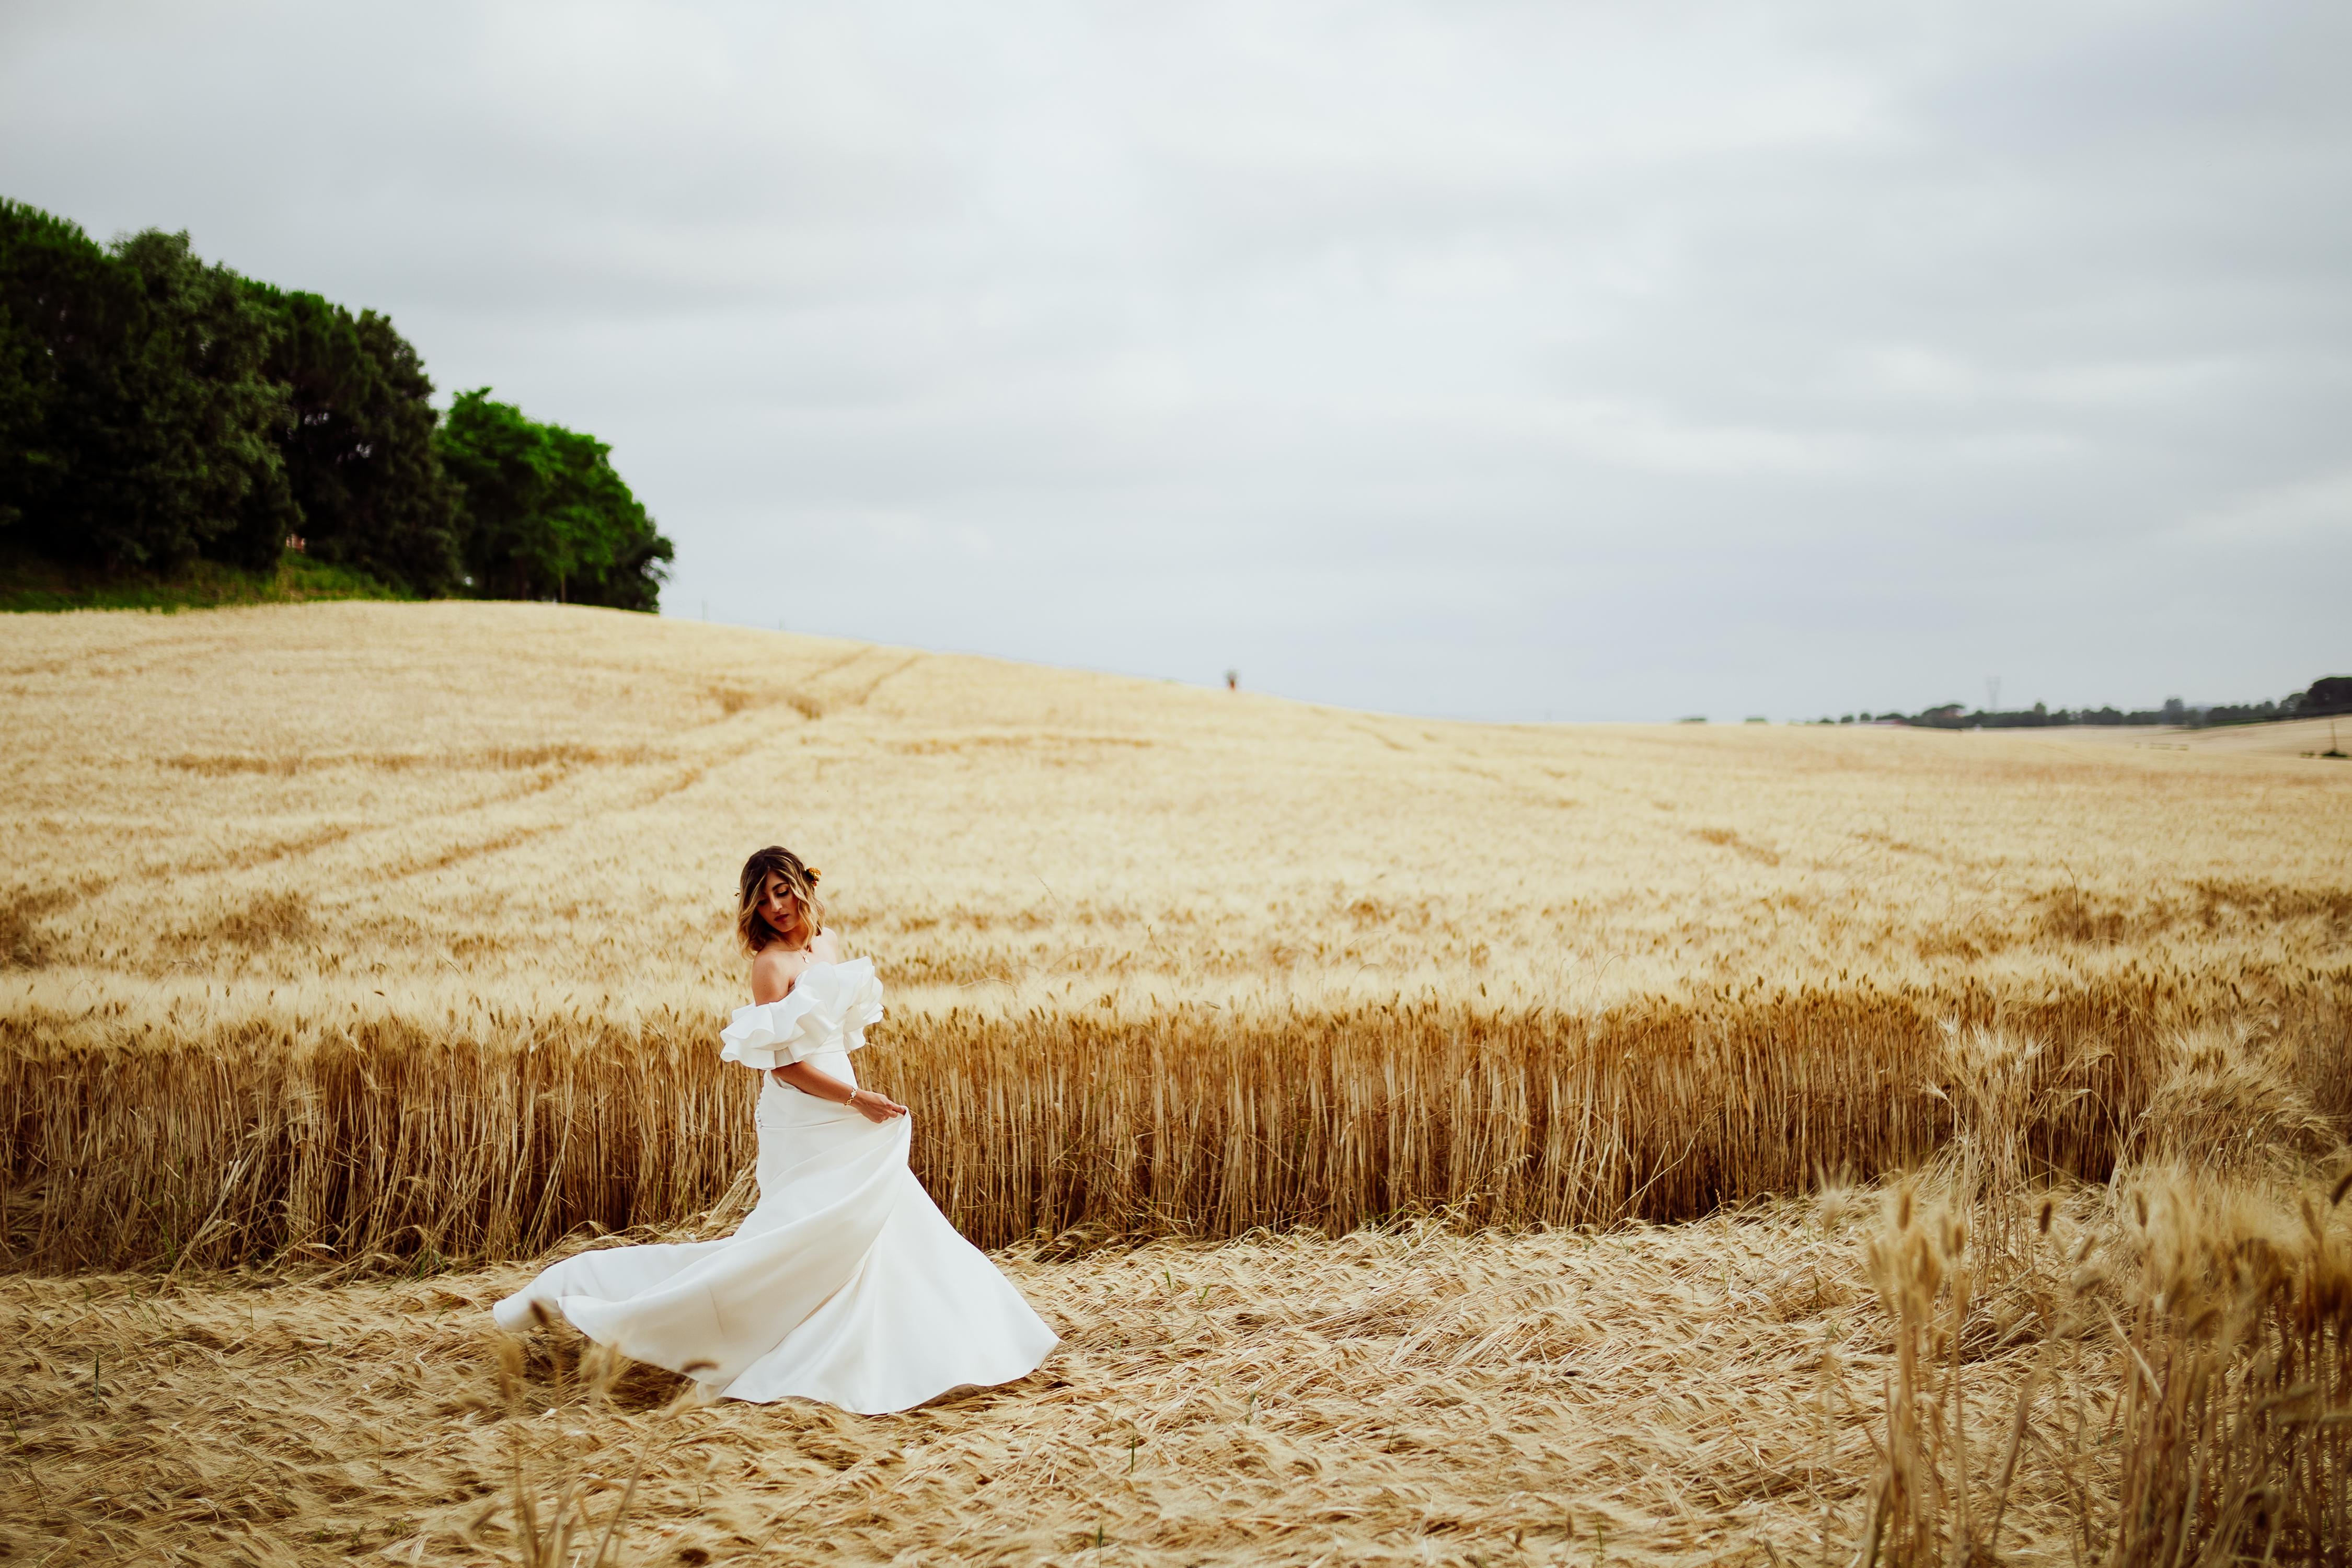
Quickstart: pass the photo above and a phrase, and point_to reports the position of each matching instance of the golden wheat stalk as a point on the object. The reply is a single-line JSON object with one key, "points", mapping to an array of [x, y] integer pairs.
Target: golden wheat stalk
{"points": [[396, 1145]]}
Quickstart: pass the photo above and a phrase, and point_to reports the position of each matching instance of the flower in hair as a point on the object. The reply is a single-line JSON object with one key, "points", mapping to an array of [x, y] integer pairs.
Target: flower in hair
{"points": [[813, 874]]}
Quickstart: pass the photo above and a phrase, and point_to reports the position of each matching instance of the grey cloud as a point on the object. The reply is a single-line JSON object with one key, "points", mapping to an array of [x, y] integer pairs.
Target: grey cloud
{"points": [[1485, 359]]}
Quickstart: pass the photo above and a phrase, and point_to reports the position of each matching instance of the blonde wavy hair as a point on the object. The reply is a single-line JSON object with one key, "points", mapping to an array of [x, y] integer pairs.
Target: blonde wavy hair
{"points": [[752, 925]]}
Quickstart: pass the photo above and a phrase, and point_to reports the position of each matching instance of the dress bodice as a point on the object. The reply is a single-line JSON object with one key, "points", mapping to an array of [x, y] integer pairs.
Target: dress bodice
{"points": [[829, 1009]]}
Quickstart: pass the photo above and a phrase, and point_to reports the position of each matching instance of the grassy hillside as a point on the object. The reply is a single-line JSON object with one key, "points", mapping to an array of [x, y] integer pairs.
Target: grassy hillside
{"points": [[32, 583]]}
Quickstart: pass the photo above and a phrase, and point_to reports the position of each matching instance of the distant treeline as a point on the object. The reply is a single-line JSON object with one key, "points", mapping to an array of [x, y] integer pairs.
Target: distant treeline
{"points": [[156, 410], [2331, 694]]}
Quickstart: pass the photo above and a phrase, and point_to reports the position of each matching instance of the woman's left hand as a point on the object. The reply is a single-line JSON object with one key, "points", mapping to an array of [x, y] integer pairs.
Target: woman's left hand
{"points": [[875, 1106]]}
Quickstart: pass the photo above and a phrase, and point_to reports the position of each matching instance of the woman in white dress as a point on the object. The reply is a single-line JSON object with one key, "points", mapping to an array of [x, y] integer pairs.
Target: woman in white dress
{"points": [[845, 1284]]}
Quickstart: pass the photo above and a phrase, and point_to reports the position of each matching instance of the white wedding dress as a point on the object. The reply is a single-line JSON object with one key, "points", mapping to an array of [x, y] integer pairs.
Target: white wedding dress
{"points": [[845, 1284]]}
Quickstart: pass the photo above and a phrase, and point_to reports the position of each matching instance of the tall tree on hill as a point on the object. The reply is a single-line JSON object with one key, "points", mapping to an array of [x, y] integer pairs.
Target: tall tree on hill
{"points": [[67, 313], [39, 257], [139, 416], [358, 444], [214, 411], [545, 514]]}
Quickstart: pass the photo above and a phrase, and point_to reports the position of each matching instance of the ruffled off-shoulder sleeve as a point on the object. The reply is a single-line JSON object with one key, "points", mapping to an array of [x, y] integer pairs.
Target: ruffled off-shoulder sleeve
{"points": [[829, 1009]]}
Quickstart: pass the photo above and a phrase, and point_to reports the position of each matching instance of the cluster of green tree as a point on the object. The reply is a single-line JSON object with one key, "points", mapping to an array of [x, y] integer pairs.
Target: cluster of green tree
{"points": [[2330, 694], [156, 411]]}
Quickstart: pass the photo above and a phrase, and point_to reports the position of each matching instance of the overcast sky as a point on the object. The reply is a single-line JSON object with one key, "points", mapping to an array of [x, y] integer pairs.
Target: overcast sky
{"points": [[1557, 359]]}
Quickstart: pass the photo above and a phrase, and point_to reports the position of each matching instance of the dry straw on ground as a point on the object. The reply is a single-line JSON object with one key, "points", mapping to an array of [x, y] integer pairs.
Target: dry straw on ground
{"points": [[1787, 1385], [1398, 1396]]}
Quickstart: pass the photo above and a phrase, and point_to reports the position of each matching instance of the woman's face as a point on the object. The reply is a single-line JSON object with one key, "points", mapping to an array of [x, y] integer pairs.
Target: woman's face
{"points": [[780, 905]]}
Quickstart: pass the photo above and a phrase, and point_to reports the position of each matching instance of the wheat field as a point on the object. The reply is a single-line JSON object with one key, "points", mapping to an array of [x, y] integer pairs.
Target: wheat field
{"points": [[366, 931], [1330, 1075], [532, 807]]}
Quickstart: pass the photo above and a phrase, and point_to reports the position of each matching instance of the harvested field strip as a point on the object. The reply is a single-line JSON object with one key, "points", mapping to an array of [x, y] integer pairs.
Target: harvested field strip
{"points": [[1409, 1396], [1795, 1383], [390, 1144]]}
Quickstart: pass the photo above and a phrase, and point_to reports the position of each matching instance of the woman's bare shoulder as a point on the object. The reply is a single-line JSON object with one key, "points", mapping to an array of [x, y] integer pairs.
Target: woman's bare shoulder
{"points": [[825, 948], [773, 971]]}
